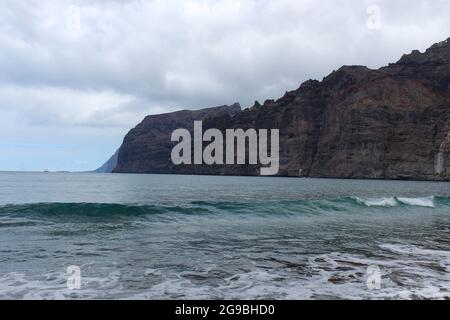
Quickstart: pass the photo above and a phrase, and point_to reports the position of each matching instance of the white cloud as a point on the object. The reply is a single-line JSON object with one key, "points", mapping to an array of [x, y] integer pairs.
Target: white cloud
{"points": [[64, 106]]}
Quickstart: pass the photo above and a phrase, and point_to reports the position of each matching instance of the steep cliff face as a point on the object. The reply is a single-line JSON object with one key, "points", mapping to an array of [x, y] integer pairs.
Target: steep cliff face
{"points": [[147, 148], [391, 123]]}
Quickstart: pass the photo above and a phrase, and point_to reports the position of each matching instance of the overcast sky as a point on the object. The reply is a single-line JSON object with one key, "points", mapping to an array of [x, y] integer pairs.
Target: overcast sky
{"points": [[75, 76]]}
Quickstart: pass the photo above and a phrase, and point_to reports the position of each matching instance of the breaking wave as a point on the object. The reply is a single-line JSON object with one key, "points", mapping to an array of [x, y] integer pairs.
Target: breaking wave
{"points": [[311, 206], [335, 275], [428, 202]]}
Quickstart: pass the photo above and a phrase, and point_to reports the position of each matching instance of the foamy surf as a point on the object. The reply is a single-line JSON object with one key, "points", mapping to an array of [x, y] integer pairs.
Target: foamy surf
{"points": [[379, 202], [419, 202], [335, 275], [428, 202]]}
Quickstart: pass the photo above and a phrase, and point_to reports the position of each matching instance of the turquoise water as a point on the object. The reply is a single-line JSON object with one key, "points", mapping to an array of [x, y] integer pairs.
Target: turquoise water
{"points": [[188, 237]]}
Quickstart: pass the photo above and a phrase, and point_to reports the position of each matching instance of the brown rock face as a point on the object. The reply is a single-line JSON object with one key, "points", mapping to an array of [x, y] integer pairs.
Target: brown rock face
{"points": [[391, 123]]}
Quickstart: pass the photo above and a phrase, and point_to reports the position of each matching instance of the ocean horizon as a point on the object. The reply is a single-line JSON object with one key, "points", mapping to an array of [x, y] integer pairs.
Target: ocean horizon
{"points": [[219, 237]]}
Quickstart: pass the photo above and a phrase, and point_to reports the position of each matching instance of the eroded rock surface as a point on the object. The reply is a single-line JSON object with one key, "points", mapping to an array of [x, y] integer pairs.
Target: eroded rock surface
{"points": [[390, 123]]}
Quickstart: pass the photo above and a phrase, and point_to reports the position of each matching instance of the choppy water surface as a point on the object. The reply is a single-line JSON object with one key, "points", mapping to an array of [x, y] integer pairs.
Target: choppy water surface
{"points": [[189, 237]]}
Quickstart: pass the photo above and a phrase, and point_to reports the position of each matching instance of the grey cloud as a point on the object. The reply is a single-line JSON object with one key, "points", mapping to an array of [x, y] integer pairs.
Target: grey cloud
{"points": [[131, 58], [198, 53]]}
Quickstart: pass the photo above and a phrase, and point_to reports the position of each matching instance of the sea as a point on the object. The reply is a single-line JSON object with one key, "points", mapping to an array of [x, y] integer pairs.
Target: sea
{"points": [[130, 236]]}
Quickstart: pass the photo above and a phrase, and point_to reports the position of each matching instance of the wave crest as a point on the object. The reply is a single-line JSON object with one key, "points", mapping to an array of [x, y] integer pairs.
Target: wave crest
{"points": [[287, 207], [428, 202], [380, 202], [420, 202]]}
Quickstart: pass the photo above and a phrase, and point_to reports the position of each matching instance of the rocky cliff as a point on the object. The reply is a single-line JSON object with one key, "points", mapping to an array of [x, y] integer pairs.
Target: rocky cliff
{"points": [[147, 147], [390, 123]]}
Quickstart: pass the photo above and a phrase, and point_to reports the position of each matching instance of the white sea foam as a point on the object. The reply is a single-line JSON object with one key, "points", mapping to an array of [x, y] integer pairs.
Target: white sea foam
{"points": [[334, 275], [53, 286], [414, 250], [407, 272], [378, 202], [420, 202], [395, 201]]}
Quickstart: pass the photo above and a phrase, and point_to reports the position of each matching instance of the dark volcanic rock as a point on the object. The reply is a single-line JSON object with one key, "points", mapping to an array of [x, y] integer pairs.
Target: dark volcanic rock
{"points": [[147, 147], [391, 123]]}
